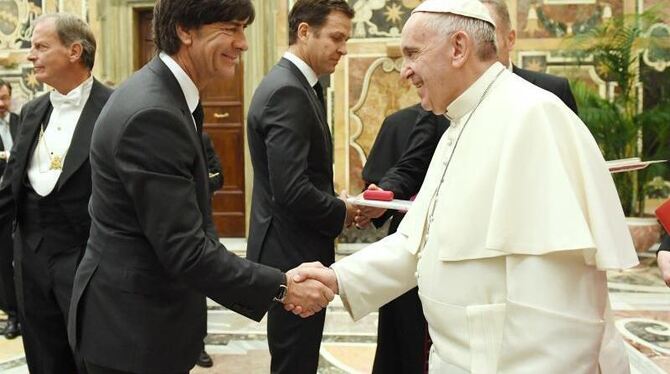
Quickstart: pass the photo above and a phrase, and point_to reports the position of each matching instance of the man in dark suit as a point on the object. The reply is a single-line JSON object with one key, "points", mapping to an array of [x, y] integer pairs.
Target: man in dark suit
{"points": [[406, 177], [47, 185], [138, 303], [9, 124], [402, 332], [295, 215]]}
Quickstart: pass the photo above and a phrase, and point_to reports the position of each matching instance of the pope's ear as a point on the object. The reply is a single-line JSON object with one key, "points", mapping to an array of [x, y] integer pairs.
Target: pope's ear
{"points": [[461, 48]]}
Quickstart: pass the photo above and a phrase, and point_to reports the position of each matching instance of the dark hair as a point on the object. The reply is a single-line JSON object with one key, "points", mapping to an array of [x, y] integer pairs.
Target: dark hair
{"points": [[193, 14], [314, 13], [4, 83], [72, 29]]}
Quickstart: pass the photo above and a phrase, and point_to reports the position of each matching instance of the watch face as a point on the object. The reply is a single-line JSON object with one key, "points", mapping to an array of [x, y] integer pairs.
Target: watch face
{"points": [[281, 293]]}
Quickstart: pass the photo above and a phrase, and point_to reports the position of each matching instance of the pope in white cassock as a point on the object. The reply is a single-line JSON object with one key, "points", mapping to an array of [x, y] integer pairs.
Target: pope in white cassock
{"points": [[516, 222]]}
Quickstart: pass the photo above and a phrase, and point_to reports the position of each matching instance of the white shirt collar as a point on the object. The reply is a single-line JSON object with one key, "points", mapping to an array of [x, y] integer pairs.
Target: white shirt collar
{"points": [[305, 69], [467, 101], [190, 90], [6, 118], [76, 97]]}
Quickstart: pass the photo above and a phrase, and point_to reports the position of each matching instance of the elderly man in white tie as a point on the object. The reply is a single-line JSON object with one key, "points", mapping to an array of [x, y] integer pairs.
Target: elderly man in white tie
{"points": [[47, 186], [515, 224]]}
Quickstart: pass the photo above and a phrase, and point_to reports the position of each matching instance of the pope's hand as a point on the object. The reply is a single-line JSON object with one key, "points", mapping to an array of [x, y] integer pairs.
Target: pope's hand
{"points": [[306, 297], [663, 259]]}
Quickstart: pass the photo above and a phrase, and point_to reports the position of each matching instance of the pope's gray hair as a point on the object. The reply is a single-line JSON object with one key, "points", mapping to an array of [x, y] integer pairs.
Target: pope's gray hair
{"points": [[482, 33]]}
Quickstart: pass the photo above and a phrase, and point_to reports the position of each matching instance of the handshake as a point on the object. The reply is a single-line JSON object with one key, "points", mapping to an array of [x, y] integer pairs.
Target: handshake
{"points": [[310, 287]]}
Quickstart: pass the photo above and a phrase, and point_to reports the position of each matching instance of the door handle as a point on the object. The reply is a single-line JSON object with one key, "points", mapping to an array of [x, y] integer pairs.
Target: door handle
{"points": [[221, 115]]}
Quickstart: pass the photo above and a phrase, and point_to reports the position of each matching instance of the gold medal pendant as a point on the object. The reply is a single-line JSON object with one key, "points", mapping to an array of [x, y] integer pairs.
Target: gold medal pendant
{"points": [[56, 162]]}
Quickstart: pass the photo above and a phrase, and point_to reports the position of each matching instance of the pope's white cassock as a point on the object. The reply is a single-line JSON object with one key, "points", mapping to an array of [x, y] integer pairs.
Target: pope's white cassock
{"points": [[508, 240]]}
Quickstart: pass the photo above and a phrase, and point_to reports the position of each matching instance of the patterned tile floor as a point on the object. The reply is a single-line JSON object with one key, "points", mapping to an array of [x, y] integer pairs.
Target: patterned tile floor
{"points": [[640, 301]]}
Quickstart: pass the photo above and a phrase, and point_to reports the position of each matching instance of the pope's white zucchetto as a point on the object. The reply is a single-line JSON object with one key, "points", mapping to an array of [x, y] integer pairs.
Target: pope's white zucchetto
{"points": [[466, 8]]}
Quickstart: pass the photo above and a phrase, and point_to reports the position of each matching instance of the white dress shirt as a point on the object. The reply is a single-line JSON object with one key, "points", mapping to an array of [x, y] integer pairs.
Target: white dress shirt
{"points": [[305, 69], [57, 136], [6, 135], [188, 88]]}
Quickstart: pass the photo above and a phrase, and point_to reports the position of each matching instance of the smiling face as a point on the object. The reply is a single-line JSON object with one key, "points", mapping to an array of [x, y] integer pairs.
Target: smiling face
{"points": [[216, 48], [324, 47], [51, 59], [427, 64]]}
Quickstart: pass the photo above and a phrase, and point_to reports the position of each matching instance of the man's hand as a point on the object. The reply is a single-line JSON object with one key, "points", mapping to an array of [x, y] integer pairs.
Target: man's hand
{"points": [[351, 209], [365, 214], [306, 297], [311, 272], [663, 259]]}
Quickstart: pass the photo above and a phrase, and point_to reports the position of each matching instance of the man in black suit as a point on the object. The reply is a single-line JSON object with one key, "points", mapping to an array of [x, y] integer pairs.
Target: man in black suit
{"points": [[405, 180], [47, 185], [295, 214], [402, 332], [138, 303], [9, 124], [506, 38]]}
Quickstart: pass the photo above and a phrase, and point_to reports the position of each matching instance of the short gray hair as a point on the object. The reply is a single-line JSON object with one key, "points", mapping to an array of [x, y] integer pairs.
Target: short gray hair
{"points": [[501, 12], [482, 32], [72, 29]]}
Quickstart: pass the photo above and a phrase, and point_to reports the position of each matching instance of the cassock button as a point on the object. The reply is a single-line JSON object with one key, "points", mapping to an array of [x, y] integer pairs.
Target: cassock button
{"points": [[416, 274], [450, 142], [419, 254]]}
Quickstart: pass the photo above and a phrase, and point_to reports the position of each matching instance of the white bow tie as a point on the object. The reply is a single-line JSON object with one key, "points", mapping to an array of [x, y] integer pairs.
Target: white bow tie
{"points": [[72, 98]]}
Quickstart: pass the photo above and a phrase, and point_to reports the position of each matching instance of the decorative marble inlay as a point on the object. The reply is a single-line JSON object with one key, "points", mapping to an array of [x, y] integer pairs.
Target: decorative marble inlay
{"points": [[649, 333], [383, 92], [658, 56], [558, 18], [380, 18], [16, 22]]}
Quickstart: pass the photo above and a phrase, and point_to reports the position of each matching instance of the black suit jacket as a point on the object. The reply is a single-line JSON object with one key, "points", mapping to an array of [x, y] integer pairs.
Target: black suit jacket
{"points": [[138, 300], [295, 215], [406, 177], [73, 188], [405, 144], [559, 86], [13, 127]]}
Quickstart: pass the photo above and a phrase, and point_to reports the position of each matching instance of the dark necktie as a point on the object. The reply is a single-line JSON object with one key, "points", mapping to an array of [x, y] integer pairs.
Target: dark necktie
{"points": [[198, 116], [319, 93]]}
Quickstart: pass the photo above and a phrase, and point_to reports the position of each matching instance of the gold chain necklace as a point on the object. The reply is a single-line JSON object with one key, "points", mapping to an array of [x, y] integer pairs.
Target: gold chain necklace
{"points": [[55, 161]]}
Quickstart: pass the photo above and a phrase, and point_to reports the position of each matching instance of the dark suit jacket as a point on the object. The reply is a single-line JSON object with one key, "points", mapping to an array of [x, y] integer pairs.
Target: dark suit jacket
{"points": [[138, 300], [559, 86], [13, 127], [73, 188], [406, 177], [405, 142], [295, 215]]}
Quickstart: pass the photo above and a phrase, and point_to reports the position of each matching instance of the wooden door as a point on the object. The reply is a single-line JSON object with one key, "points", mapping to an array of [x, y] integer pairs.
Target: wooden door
{"points": [[222, 102]]}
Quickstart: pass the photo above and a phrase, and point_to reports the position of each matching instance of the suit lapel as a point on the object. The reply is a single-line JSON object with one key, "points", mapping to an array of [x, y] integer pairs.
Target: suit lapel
{"points": [[81, 138], [13, 125], [159, 68], [29, 130], [314, 101]]}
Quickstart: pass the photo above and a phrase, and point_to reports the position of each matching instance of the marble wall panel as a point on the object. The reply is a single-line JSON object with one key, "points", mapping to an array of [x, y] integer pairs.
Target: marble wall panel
{"points": [[558, 18], [380, 18], [380, 93]]}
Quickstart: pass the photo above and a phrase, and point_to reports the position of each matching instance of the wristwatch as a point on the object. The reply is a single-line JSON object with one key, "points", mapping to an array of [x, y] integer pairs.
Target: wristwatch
{"points": [[281, 293]]}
